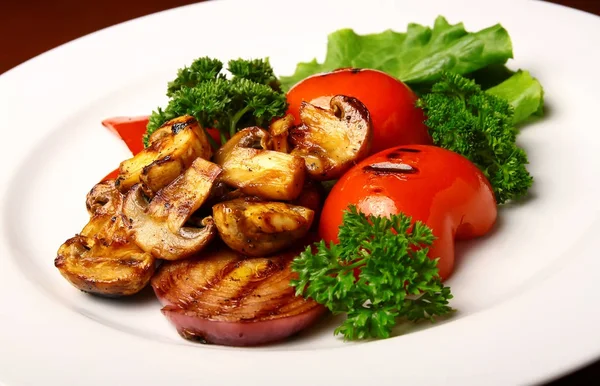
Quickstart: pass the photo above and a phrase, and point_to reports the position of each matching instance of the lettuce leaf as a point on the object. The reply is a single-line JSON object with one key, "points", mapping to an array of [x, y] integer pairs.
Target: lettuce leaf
{"points": [[524, 93], [416, 56]]}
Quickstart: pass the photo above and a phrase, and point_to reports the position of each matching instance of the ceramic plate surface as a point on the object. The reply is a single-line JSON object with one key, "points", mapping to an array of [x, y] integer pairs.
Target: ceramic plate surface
{"points": [[527, 295]]}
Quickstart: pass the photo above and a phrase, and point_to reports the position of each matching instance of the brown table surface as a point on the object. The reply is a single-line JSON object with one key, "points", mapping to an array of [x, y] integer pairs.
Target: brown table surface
{"points": [[30, 27]]}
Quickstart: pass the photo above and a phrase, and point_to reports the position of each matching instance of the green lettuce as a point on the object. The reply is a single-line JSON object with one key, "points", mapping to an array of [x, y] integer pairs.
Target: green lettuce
{"points": [[523, 92], [417, 56]]}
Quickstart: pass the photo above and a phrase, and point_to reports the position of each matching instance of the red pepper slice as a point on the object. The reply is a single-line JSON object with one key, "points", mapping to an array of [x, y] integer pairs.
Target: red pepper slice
{"points": [[130, 129]]}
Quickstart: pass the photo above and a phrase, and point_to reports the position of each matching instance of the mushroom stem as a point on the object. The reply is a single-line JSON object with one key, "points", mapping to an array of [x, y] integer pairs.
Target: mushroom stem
{"points": [[160, 227]]}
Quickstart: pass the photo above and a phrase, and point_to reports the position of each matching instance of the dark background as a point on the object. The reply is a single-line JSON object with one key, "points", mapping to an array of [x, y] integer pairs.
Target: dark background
{"points": [[30, 27]]}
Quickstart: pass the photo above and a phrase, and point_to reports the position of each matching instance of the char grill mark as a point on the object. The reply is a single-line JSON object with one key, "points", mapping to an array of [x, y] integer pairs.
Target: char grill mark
{"points": [[227, 286]]}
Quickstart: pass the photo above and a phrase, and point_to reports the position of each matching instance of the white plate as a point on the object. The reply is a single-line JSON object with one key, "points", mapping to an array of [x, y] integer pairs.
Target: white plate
{"points": [[527, 294]]}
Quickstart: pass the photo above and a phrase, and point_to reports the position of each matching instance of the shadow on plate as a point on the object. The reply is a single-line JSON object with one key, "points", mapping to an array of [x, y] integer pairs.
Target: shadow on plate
{"points": [[144, 297]]}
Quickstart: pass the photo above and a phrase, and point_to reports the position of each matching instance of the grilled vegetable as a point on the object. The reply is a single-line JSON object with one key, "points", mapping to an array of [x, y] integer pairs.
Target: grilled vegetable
{"points": [[104, 198], [174, 148], [427, 183], [222, 192], [391, 103], [279, 132], [331, 141], [161, 132], [160, 226], [250, 137], [312, 196], [258, 228], [103, 259], [222, 297], [250, 165]]}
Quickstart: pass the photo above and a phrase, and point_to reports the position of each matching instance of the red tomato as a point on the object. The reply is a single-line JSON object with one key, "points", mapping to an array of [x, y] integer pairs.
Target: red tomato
{"points": [[396, 120], [433, 185]]}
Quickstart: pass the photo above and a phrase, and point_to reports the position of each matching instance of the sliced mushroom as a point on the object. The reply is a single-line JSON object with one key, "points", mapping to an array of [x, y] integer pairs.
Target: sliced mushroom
{"points": [[250, 137], [159, 133], [259, 228], [104, 198], [173, 149], [312, 196], [103, 259], [160, 173], [249, 165], [159, 227], [279, 133], [331, 141], [222, 192]]}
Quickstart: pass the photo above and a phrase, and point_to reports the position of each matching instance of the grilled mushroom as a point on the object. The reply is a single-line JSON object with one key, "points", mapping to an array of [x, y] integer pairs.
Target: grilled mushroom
{"points": [[249, 164], [279, 133], [103, 259], [160, 227], [161, 132], [104, 198], [331, 141], [259, 228], [250, 137], [173, 149], [312, 196]]}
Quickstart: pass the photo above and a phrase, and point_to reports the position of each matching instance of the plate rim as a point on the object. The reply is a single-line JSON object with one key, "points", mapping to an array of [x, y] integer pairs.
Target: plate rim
{"points": [[18, 69]]}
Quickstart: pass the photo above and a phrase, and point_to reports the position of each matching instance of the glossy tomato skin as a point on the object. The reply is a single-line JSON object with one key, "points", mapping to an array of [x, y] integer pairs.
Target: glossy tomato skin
{"points": [[436, 186], [396, 120]]}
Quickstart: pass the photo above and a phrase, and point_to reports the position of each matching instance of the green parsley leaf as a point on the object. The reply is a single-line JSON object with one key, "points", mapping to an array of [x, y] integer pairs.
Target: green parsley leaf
{"points": [[250, 98], [397, 279], [202, 70], [463, 118], [257, 71]]}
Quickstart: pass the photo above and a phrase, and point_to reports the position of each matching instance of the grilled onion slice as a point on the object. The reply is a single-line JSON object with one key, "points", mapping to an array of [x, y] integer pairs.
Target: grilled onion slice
{"points": [[221, 297]]}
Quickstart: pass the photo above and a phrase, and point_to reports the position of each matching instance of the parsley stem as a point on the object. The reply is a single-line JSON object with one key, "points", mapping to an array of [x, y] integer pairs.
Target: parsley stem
{"points": [[235, 120], [356, 264], [223, 137]]}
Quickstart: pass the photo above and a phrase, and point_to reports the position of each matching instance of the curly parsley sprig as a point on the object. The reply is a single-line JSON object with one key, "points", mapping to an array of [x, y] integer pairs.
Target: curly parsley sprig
{"points": [[397, 279], [467, 120], [251, 97]]}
